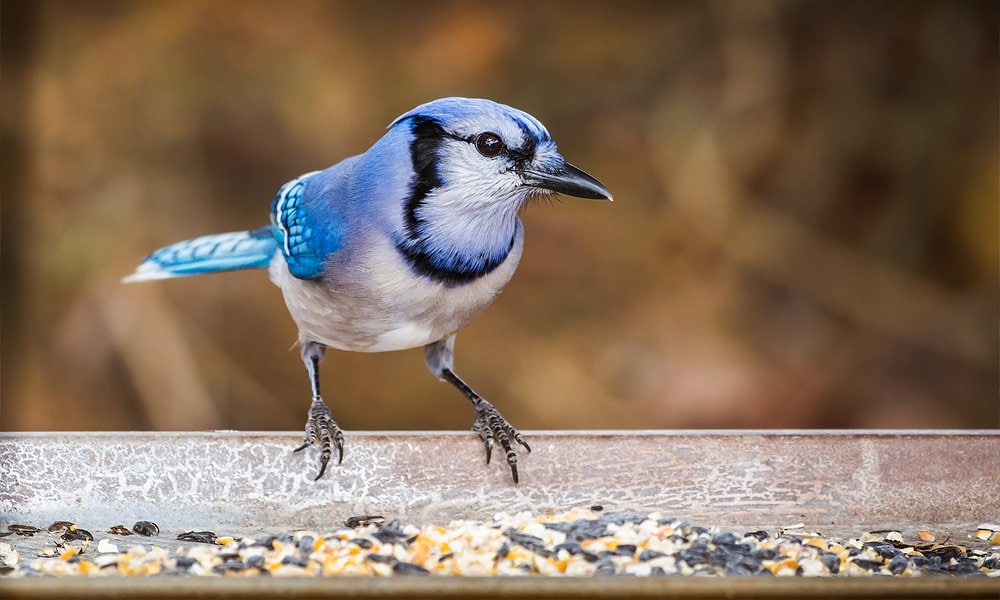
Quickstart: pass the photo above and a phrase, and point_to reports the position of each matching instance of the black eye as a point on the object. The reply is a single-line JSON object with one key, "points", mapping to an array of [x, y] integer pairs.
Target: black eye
{"points": [[489, 144]]}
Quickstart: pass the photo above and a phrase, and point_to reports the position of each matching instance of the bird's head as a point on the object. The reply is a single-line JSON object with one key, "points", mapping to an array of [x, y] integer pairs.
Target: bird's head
{"points": [[485, 152], [474, 164]]}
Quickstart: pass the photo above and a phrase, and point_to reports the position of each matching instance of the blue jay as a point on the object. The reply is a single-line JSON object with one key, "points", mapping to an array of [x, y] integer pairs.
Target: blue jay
{"points": [[400, 246]]}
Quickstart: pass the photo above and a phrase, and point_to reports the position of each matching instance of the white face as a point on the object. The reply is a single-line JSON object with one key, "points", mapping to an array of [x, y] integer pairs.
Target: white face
{"points": [[481, 163]]}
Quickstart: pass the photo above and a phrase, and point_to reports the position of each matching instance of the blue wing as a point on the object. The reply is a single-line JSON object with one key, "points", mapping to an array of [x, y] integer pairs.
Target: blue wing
{"points": [[305, 227]]}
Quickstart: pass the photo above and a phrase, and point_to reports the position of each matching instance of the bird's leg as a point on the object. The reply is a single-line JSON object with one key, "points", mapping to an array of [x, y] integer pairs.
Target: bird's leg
{"points": [[489, 423], [320, 426]]}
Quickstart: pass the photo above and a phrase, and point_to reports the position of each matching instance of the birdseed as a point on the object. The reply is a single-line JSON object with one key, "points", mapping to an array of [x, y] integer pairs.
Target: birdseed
{"points": [[579, 542]]}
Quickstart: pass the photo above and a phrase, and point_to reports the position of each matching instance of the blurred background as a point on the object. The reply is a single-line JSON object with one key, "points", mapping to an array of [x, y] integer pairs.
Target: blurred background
{"points": [[804, 232]]}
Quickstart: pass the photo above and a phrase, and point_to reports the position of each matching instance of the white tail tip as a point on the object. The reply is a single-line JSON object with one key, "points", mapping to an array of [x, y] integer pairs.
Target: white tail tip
{"points": [[148, 271]]}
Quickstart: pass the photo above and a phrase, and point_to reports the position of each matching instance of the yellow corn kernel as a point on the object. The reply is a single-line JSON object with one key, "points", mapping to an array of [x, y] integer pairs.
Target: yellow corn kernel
{"points": [[788, 563], [87, 568]]}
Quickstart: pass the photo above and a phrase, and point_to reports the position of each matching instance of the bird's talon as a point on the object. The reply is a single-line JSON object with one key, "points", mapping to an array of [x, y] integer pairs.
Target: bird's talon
{"points": [[320, 427], [492, 427]]}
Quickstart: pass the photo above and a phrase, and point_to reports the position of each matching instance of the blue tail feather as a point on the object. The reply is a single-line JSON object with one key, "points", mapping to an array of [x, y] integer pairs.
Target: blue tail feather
{"points": [[209, 254]]}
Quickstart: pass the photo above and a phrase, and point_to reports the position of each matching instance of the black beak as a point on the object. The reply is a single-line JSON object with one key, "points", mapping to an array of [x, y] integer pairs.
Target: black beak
{"points": [[568, 180]]}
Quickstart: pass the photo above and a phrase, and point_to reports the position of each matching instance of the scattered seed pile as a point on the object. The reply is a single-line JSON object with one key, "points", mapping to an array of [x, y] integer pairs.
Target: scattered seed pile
{"points": [[579, 542]]}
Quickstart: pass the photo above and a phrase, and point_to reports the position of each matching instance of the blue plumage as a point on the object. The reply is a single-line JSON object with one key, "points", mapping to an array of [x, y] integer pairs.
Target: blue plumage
{"points": [[209, 254], [400, 246], [306, 233]]}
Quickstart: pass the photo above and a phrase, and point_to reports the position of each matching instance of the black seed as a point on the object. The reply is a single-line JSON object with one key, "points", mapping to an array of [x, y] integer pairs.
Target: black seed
{"points": [[580, 530], [766, 554], [657, 572], [306, 544], [255, 562], [233, 565], [528, 541], [760, 534], [932, 563], [962, 566], [267, 542], [620, 518], [184, 562], [724, 539], [204, 537], [445, 557], [363, 543], [597, 508], [898, 564], [832, 562], [650, 555], [605, 567], [870, 565], [294, 560], [146, 528], [694, 555], [60, 527], [363, 520], [25, 530], [119, 530], [883, 549], [571, 547], [522, 538], [381, 558], [503, 551], [390, 533], [991, 562], [589, 556], [73, 534], [945, 553], [405, 568]]}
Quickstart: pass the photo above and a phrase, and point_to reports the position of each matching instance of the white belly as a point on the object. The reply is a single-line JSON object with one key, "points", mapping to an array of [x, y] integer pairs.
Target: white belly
{"points": [[371, 301]]}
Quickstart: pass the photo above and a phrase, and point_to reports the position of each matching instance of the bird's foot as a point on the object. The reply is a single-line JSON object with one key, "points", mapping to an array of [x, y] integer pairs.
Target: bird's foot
{"points": [[492, 427], [320, 427]]}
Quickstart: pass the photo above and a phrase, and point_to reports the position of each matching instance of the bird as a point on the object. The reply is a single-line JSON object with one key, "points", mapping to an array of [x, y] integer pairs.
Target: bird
{"points": [[400, 246]]}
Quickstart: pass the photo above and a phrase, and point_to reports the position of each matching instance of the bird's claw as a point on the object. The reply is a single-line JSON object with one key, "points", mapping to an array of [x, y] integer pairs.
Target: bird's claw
{"points": [[320, 427], [492, 427]]}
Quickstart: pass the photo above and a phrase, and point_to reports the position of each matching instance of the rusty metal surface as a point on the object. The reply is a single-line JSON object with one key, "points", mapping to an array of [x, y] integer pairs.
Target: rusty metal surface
{"points": [[245, 483]]}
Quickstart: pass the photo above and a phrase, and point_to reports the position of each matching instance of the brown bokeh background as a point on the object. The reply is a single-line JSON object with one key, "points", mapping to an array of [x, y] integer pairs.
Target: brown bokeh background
{"points": [[804, 233]]}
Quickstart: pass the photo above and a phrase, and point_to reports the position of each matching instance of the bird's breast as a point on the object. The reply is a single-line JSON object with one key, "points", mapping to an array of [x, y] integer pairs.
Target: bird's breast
{"points": [[372, 300]]}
